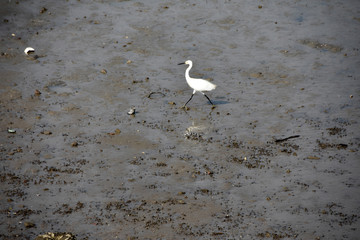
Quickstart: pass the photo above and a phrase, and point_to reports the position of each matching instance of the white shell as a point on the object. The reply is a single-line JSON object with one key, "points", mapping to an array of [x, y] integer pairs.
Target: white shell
{"points": [[28, 49], [132, 111]]}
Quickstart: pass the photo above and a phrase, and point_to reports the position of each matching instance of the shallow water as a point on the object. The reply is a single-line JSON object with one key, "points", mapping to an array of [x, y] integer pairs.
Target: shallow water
{"points": [[79, 163]]}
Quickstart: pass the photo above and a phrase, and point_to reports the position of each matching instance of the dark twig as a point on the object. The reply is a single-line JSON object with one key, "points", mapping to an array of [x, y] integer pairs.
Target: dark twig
{"points": [[284, 139]]}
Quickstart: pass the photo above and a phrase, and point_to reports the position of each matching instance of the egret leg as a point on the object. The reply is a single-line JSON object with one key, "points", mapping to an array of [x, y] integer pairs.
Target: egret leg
{"points": [[188, 100], [208, 99]]}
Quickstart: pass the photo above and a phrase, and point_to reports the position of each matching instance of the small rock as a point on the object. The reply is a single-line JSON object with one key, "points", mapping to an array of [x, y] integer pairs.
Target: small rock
{"points": [[204, 190], [116, 132], [43, 9], [181, 201], [46, 132], [37, 92], [103, 71], [74, 144]]}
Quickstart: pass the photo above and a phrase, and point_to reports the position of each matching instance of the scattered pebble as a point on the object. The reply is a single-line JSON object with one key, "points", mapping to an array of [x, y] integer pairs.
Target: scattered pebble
{"points": [[43, 9], [29, 224], [103, 71]]}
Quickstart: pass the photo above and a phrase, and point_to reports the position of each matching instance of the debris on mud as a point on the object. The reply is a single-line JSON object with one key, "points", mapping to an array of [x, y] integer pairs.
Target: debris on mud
{"points": [[116, 132], [29, 224], [56, 236], [337, 131], [43, 10], [324, 145], [321, 46]]}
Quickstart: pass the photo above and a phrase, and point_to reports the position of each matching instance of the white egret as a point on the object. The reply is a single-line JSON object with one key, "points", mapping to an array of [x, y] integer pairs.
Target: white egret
{"points": [[199, 85]]}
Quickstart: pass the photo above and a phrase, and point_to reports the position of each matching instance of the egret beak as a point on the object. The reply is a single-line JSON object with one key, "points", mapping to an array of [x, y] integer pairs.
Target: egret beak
{"points": [[181, 63]]}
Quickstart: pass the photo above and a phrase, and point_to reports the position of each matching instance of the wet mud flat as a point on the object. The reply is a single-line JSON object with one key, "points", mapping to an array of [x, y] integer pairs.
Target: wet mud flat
{"points": [[278, 158]]}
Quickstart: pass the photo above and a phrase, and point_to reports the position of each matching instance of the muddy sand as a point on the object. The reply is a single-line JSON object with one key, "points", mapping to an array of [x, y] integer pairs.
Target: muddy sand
{"points": [[278, 158]]}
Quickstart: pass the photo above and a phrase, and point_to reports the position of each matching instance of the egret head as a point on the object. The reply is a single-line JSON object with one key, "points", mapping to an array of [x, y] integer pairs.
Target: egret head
{"points": [[187, 62]]}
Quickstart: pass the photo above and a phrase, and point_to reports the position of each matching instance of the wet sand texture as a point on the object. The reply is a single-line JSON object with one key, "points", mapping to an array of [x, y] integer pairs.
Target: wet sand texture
{"points": [[278, 158]]}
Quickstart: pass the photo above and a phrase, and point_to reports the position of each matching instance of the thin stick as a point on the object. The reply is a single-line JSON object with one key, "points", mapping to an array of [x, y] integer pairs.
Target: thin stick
{"points": [[284, 139]]}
